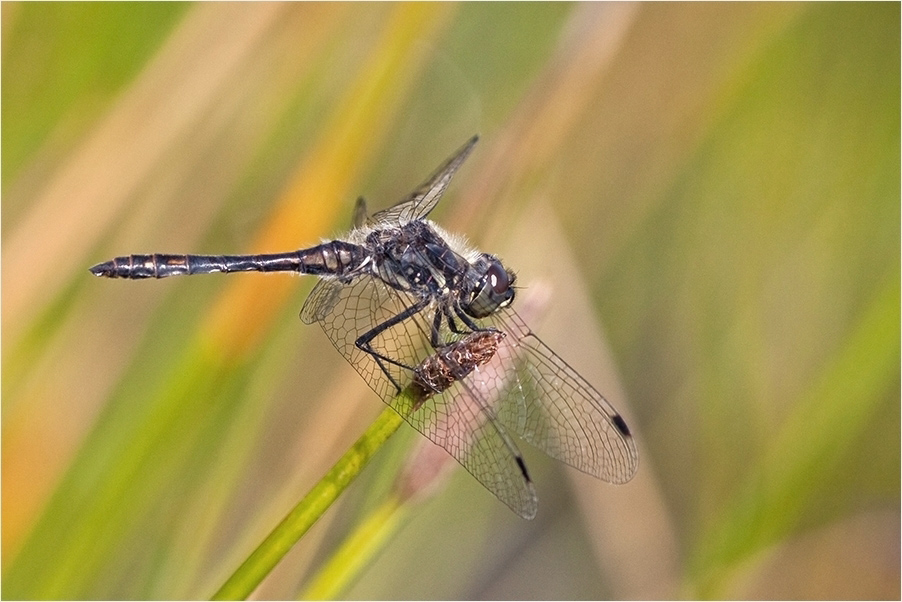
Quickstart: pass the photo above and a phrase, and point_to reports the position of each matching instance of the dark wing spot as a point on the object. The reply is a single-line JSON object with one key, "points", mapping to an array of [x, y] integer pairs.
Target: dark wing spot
{"points": [[621, 425], [522, 466]]}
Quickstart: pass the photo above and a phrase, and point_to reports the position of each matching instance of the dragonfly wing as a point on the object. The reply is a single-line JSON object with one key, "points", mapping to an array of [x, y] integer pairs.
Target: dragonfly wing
{"points": [[552, 407], [421, 201], [322, 299], [346, 311], [460, 420], [359, 217], [457, 419]]}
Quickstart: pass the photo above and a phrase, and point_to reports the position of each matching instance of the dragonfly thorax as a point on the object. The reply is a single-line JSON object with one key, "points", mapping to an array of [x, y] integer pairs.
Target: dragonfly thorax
{"points": [[415, 259]]}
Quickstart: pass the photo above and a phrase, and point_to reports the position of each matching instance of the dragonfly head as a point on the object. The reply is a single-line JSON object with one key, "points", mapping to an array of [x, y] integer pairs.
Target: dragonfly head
{"points": [[493, 289]]}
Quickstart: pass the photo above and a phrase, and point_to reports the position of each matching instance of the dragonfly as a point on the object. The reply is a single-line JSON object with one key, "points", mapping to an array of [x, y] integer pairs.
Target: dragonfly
{"points": [[412, 307]]}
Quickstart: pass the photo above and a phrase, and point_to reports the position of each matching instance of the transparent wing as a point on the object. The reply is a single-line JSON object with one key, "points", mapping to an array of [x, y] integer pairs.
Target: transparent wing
{"points": [[322, 300], [347, 311], [421, 201], [359, 216], [458, 419], [552, 407], [462, 421]]}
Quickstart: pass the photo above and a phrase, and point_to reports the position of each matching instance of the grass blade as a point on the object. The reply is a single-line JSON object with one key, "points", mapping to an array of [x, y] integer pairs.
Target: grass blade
{"points": [[288, 532]]}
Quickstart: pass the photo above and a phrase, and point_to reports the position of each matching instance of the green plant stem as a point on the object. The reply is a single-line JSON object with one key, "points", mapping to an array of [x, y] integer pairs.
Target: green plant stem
{"points": [[357, 551], [287, 533]]}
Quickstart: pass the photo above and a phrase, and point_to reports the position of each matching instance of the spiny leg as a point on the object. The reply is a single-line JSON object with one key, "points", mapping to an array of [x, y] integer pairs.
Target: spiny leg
{"points": [[364, 341], [452, 324], [469, 323]]}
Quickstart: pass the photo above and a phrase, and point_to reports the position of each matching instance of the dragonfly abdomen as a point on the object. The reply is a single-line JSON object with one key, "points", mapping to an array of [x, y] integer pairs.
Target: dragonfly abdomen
{"points": [[331, 258]]}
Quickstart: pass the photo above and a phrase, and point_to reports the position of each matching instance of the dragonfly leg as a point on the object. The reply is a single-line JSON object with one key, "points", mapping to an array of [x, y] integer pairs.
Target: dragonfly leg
{"points": [[364, 341], [468, 322], [435, 333], [434, 337], [452, 324], [436, 328]]}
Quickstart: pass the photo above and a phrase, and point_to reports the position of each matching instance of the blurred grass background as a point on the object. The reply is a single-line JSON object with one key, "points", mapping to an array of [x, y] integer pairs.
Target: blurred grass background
{"points": [[712, 191]]}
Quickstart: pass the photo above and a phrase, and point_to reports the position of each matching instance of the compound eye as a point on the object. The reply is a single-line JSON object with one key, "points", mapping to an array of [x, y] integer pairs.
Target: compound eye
{"points": [[498, 278], [494, 291]]}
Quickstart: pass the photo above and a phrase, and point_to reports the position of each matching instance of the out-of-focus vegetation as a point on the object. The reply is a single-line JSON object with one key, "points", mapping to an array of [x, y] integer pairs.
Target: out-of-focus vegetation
{"points": [[712, 192]]}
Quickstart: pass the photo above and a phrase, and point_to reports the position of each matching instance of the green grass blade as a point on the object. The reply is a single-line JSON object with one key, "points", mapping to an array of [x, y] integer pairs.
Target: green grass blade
{"points": [[288, 532], [358, 549]]}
